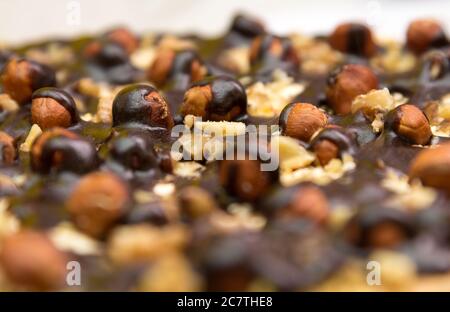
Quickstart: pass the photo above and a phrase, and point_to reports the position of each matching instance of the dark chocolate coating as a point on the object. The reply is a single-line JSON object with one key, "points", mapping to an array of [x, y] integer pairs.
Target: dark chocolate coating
{"points": [[246, 26], [134, 152], [41, 75]]}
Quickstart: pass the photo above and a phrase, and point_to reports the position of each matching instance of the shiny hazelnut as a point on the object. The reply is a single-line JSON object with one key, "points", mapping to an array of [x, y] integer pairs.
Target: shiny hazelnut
{"points": [[52, 107], [346, 83], [58, 150], [424, 34], [432, 167], [247, 26], [267, 50], [178, 67], [308, 202], [196, 202], [21, 77], [8, 150], [325, 151], [98, 201], [125, 38], [301, 120], [219, 99], [30, 260], [353, 38], [410, 124], [141, 104]]}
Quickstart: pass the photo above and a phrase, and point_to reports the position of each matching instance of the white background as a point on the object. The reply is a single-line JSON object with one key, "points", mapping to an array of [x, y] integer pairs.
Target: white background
{"points": [[36, 19]]}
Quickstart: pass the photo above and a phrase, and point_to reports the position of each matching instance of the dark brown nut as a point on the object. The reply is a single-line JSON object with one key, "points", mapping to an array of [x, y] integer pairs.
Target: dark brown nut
{"points": [[30, 260], [125, 38], [346, 83], [424, 34], [141, 104], [52, 107], [195, 202], [432, 167], [410, 124], [106, 53], [245, 179], [99, 200], [8, 150], [353, 38], [57, 150], [325, 151], [270, 50], [21, 77], [301, 120], [308, 202], [246, 26], [178, 67], [219, 99]]}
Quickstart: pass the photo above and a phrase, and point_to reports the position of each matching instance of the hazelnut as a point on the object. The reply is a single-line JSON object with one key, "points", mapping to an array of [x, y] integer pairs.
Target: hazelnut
{"points": [[106, 53], [196, 202], [98, 201], [21, 77], [245, 179], [179, 67], [247, 26], [432, 167], [30, 260], [125, 38], [141, 104], [8, 150], [268, 50], [424, 34], [346, 83], [308, 202], [325, 151], [410, 124], [52, 107], [301, 120], [58, 150], [353, 38], [218, 99]]}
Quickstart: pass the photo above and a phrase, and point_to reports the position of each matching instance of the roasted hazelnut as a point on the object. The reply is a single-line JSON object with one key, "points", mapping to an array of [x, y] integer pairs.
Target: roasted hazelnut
{"points": [[98, 201], [125, 38], [196, 202], [424, 34], [432, 167], [346, 83], [58, 150], [247, 26], [269, 50], [219, 98], [307, 202], [52, 107], [410, 124], [301, 120], [30, 260], [21, 77], [141, 104], [8, 150], [177, 67], [353, 38], [332, 142], [106, 53]]}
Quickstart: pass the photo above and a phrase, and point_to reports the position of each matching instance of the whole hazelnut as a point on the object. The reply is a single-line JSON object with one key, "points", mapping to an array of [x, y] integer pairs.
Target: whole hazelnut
{"points": [[21, 77], [30, 260], [219, 99], [301, 120], [247, 26], [196, 202], [308, 202], [106, 53], [52, 107], [58, 150], [178, 67], [98, 201], [353, 38], [269, 50], [8, 150], [410, 124], [141, 104], [346, 83], [125, 38], [325, 151], [423, 34], [432, 167]]}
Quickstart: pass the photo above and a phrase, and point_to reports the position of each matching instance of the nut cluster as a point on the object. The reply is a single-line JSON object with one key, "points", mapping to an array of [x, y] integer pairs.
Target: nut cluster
{"points": [[353, 38]]}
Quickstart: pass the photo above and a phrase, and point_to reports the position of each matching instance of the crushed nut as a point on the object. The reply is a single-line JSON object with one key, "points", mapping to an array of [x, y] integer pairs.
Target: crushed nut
{"points": [[67, 238], [35, 131], [7, 103], [236, 59]]}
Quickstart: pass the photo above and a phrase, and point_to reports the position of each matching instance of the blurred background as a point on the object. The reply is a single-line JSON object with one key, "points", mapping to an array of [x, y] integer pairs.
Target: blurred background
{"points": [[33, 20]]}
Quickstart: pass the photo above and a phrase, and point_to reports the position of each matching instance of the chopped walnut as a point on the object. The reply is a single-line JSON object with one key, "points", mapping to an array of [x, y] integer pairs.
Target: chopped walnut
{"points": [[35, 131], [143, 57], [438, 113], [190, 169], [104, 108], [53, 54], [175, 43], [269, 99], [395, 60], [7, 103], [292, 155], [236, 59], [67, 238]]}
